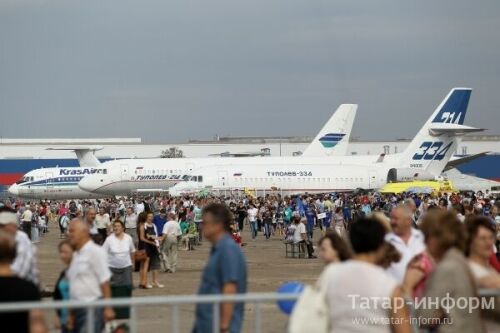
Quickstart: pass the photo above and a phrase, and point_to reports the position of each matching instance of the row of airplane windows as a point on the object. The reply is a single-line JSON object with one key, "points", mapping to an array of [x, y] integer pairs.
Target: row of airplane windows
{"points": [[308, 179], [69, 179], [156, 172], [51, 180]]}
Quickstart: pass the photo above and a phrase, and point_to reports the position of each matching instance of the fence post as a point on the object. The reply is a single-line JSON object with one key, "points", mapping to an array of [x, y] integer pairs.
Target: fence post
{"points": [[258, 318], [175, 318], [133, 319], [90, 319], [216, 317]]}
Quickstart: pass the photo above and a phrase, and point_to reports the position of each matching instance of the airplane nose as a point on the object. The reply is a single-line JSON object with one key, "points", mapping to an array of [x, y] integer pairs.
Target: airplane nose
{"points": [[14, 189]]}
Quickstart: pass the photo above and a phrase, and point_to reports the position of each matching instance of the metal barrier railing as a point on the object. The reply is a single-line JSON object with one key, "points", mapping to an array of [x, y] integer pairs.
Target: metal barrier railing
{"points": [[174, 302]]}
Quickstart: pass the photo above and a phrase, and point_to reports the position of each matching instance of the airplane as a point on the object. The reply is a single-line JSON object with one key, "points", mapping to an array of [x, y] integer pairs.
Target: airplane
{"points": [[55, 184], [62, 183], [424, 158]]}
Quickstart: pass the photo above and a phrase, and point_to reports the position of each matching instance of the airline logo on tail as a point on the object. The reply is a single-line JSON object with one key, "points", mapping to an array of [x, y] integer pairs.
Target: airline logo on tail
{"points": [[454, 108], [429, 150], [330, 140]]}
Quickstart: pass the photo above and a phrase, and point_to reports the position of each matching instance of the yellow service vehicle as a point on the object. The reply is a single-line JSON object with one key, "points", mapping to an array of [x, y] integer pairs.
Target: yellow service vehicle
{"points": [[419, 186]]}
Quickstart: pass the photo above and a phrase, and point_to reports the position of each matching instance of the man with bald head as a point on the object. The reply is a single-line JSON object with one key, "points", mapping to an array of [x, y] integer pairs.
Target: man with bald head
{"points": [[406, 239], [412, 206], [88, 275], [90, 216]]}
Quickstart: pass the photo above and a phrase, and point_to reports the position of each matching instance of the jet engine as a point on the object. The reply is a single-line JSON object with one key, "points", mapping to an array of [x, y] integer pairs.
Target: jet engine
{"points": [[406, 174]]}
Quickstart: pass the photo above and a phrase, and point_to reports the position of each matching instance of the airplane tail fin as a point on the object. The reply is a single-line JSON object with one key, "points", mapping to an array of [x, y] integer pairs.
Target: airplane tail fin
{"points": [[85, 154], [333, 138], [434, 144]]}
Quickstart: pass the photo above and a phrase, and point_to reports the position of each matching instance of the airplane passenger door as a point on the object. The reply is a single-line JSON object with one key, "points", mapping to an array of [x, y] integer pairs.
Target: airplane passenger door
{"points": [[222, 178], [124, 171], [372, 179], [49, 179]]}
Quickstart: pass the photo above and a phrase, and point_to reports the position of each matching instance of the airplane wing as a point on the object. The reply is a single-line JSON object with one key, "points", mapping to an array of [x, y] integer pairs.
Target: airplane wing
{"points": [[85, 154], [455, 161], [333, 139]]}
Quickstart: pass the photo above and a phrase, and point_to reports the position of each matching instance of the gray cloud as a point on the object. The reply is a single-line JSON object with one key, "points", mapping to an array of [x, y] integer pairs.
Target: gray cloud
{"points": [[169, 71]]}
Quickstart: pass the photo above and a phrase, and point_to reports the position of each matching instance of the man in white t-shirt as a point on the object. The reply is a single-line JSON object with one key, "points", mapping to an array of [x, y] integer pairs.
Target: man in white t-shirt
{"points": [[300, 236], [252, 219], [88, 276], [300, 233], [26, 219], [170, 235], [90, 220], [406, 239], [139, 207], [102, 223], [121, 208]]}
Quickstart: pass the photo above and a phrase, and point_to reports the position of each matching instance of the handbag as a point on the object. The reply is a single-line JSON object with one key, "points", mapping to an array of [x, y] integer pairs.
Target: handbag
{"points": [[310, 313], [140, 255]]}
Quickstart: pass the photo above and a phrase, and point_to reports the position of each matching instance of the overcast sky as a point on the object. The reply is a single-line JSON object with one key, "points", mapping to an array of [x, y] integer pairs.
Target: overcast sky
{"points": [[168, 71]]}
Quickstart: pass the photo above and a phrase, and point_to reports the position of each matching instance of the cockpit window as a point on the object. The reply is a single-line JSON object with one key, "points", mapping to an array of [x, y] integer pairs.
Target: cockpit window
{"points": [[186, 177], [200, 179], [25, 179], [22, 180]]}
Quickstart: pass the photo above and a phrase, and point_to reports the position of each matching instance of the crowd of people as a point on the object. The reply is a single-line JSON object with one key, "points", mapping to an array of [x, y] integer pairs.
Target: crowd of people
{"points": [[373, 245]]}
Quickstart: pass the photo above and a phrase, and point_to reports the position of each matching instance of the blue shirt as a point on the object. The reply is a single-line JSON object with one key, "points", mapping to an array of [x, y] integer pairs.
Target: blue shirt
{"points": [[347, 213], [159, 223], [63, 287], [225, 264], [366, 209], [310, 215]]}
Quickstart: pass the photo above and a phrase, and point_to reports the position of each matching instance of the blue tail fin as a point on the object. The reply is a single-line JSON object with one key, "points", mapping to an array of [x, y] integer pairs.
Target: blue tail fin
{"points": [[454, 107], [431, 150]]}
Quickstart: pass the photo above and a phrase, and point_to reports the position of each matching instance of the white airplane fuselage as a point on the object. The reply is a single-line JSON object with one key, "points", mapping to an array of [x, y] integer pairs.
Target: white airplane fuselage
{"points": [[154, 175], [54, 184], [287, 179]]}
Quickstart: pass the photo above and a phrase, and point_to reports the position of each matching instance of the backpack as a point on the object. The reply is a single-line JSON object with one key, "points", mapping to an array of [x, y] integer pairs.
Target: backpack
{"points": [[63, 221]]}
